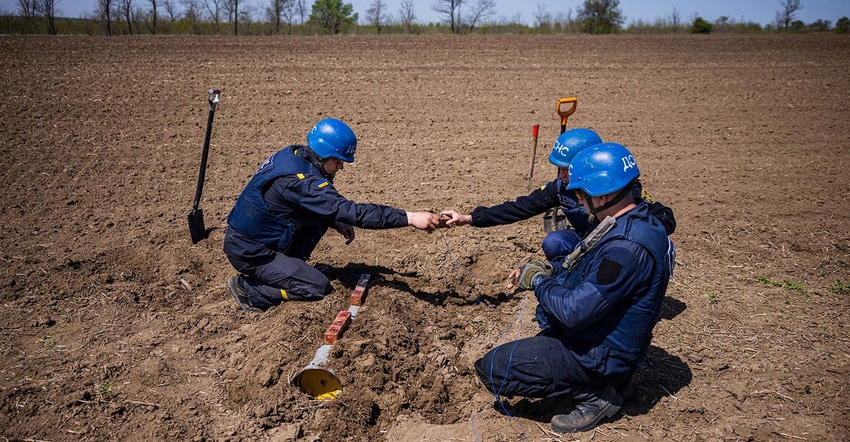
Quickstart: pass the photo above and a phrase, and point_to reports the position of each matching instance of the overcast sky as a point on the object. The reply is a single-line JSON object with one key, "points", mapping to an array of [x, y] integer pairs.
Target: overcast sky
{"points": [[758, 11]]}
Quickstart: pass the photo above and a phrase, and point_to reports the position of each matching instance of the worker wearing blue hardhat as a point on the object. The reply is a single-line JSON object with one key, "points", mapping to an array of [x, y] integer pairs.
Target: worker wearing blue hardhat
{"points": [[597, 309], [555, 195], [285, 210]]}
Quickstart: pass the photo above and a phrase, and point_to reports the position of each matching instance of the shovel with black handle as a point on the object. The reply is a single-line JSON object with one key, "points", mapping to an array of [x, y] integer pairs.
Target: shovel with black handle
{"points": [[196, 215], [556, 219]]}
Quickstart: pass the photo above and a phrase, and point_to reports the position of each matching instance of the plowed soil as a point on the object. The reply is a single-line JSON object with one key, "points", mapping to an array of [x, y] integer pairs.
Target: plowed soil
{"points": [[116, 327]]}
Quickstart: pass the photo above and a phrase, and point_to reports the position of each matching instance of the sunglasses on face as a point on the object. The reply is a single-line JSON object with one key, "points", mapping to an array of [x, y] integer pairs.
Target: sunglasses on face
{"points": [[579, 194]]}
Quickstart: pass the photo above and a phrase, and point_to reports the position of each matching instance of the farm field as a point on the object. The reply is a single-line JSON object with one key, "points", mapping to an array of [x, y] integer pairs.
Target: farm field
{"points": [[114, 326]]}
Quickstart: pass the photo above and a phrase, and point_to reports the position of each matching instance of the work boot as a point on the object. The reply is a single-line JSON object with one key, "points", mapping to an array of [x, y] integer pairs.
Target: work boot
{"points": [[590, 409], [234, 286]]}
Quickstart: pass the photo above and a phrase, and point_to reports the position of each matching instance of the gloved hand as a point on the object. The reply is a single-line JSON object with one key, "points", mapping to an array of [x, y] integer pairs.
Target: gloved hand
{"points": [[529, 271]]}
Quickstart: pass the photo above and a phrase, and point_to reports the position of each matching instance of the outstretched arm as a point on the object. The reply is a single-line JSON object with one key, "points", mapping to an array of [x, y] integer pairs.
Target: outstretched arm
{"points": [[524, 207]]}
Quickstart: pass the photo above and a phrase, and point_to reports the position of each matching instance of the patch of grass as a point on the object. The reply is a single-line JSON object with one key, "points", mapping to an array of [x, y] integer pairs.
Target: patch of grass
{"points": [[713, 297], [46, 341], [104, 392], [786, 284], [840, 288]]}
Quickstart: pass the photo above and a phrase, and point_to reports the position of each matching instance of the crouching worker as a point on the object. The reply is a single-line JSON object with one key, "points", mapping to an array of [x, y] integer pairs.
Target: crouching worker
{"points": [[597, 309], [556, 194], [285, 210]]}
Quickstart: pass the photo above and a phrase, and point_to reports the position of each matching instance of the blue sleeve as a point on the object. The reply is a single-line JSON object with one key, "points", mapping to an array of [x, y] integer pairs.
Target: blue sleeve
{"points": [[611, 276], [317, 195]]}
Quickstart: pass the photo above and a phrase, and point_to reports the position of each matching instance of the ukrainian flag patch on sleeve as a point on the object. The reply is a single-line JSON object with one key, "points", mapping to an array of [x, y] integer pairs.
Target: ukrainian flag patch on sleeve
{"points": [[322, 183]]}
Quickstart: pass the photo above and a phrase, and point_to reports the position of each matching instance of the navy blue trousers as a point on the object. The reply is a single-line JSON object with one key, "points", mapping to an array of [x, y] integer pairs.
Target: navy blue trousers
{"points": [[270, 280], [559, 243], [537, 367]]}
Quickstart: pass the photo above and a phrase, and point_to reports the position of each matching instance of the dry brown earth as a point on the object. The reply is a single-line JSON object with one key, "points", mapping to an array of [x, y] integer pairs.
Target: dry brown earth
{"points": [[116, 327]]}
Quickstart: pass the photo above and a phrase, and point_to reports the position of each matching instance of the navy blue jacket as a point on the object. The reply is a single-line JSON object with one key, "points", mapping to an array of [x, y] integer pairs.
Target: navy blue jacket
{"points": [[604, 310], [289, 204], [554, 194]]}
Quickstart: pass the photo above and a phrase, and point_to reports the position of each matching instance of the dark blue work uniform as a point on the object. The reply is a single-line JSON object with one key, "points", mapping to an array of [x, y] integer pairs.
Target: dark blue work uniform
{"points": [[279, 219], [555, 194], [597, 319]]}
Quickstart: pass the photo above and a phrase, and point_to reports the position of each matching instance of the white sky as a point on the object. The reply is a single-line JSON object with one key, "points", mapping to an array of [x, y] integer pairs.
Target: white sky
{"points": [[758, 11]]}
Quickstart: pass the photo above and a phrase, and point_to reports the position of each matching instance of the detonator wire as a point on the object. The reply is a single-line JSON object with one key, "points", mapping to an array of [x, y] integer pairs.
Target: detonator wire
{"points": [[517, 319], [496, 399]]}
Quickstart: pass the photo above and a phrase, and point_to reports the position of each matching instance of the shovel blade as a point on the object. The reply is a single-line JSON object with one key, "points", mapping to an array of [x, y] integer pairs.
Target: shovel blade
{"points": [[554, 219], [196, 225], [547, 221]]}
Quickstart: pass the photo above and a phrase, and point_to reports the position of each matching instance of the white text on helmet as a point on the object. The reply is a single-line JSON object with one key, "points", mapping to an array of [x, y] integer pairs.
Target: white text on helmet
{"points": [[562, 149], [629, 163]]}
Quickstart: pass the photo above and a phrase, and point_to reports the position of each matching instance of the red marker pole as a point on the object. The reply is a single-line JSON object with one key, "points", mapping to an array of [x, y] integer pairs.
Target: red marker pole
{"points": [[533, 154]]}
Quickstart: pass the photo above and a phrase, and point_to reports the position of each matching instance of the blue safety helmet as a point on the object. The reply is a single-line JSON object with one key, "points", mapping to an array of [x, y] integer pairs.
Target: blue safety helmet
{"points": [[331, 138], [602, 169], [570, 143]]}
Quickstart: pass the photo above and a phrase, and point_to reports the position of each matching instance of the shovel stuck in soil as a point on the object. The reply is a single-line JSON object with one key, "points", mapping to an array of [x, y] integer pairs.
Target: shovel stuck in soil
{"points": [[556, 219], [196, 215], [315, 379]]}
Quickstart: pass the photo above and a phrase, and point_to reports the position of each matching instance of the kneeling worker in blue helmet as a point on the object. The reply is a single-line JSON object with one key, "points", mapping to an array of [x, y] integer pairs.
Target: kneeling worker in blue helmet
{"points": [[556, 194], [285, 210], [598, 307]]}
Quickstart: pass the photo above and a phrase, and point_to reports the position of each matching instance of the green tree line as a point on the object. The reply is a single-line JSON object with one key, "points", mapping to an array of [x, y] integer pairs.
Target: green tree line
{"points": [[270, 17]]}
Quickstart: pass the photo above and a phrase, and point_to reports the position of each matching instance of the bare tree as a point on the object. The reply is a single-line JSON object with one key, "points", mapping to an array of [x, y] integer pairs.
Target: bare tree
{"points": [[153, 14], [481, 10], [785, 16], [675, 20], [231, 7], [47, 9], [27, 8], [303, 11], [407, 15], [247, 13], [139, 16], [274, 14], [543, 18], [214, 10], [377, 15], [126, 7], [722, 23], [290, 9], [104, 11], [450, 9], [170, 9], [192, 14], [563, 22]]}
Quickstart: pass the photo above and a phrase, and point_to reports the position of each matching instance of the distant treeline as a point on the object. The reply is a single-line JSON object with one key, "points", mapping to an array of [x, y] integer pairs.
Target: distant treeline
{"points": [[144, 25]]}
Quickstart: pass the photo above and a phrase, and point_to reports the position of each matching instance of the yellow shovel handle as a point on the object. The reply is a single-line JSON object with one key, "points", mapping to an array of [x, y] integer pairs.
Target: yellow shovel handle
{"points": [[566, 113]]}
